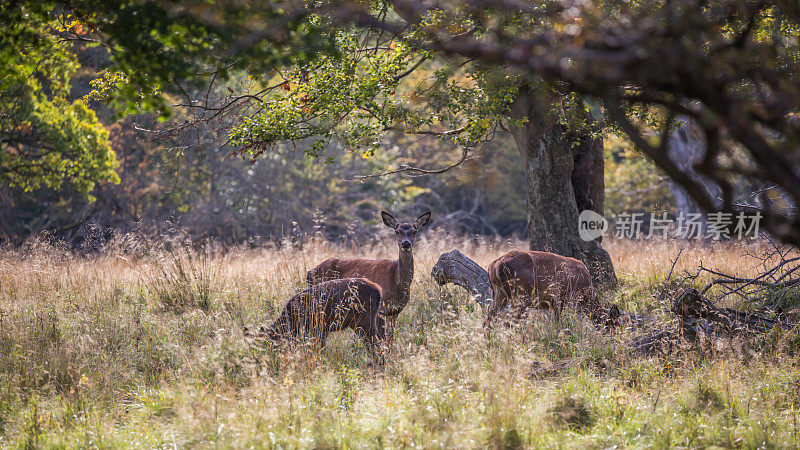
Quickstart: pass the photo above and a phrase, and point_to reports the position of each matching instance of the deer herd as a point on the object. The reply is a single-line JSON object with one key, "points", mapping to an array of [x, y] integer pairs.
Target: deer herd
{"points": [[367, 295]]}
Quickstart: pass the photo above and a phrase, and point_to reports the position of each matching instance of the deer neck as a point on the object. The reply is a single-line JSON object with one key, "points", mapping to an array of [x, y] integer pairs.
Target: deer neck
{"points": [[405, 272]]}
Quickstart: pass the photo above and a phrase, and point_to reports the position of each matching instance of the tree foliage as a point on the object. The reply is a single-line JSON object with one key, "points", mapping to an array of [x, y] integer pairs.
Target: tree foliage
{"points": [[730, 66], [633, 183], [46, 138]]}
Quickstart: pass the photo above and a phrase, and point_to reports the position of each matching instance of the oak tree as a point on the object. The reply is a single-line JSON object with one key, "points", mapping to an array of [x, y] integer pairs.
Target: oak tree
{"points": [[345, 72]]}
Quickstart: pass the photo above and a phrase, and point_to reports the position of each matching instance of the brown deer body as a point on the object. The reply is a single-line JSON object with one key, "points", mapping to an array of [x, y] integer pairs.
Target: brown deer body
{"points": [[393, 276], [546, 281], [327, 307], [383, 272]]}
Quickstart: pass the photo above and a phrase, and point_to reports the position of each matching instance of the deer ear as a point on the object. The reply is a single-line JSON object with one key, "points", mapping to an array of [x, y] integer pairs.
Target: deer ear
{"points": [[388, 220], [422, 221]]}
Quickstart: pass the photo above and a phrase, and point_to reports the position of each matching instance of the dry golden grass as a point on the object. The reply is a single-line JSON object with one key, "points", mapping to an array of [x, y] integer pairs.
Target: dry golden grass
{"points": [[141, 345], [654, 257]]}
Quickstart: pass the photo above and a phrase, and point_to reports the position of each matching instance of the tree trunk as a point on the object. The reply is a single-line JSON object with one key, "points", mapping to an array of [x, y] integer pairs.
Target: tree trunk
{"points": [[686, 148], [552, 204]]}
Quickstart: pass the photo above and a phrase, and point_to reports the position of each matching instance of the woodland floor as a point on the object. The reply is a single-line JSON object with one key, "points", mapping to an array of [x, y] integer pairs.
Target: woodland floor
{"points": [[141, 346]]}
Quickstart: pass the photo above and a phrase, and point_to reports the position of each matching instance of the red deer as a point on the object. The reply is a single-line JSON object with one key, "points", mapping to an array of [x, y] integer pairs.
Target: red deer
{"points": [[327, 307], [546, 281], [393, 276]]}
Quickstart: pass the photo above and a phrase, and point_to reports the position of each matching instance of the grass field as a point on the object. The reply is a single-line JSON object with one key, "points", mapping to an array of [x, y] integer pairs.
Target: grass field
{"points": [[141, 346]]}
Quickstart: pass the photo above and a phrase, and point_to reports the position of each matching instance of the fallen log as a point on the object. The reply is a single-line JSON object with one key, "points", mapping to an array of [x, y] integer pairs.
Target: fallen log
{"points": [[656, 341], [691, 304], [634, 320], [699, 320], [454, 267]]}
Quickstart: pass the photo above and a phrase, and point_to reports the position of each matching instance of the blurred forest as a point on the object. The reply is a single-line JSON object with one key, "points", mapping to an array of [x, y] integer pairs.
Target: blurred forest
{"points": [[179, 173]]}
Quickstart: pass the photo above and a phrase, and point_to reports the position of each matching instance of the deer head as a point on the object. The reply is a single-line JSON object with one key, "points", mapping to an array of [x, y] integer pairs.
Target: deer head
{"points": [[405, 232]]}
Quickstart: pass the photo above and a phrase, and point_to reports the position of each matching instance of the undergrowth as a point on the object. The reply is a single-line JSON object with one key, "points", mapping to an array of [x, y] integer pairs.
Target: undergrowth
{"points": [[123, 349]]}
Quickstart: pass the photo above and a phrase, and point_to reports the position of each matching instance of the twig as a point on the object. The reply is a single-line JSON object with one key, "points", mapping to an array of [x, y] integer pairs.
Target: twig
{"points": [[664, 287]]}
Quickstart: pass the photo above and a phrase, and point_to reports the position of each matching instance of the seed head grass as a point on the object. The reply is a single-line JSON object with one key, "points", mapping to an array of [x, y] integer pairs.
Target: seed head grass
{"points": [[141, 345]]}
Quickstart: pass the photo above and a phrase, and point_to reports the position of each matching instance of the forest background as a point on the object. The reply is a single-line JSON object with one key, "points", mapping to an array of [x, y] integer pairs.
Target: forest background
{"points": [[177, 176]]}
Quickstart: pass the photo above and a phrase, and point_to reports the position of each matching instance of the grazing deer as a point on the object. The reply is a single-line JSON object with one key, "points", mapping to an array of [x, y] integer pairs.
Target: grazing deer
{"points": [[327, 307], [545, 281], [393, 276]]}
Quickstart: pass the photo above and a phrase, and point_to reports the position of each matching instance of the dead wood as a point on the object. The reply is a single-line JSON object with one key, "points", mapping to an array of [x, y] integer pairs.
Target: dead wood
{"points": [[454, 267], [700, 320], [656, 341], [778, 279], [634, 320], [691, 304]]}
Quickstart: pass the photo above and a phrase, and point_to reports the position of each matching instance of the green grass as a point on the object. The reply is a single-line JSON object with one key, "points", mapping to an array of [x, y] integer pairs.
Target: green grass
{"points": [[121, 351]]}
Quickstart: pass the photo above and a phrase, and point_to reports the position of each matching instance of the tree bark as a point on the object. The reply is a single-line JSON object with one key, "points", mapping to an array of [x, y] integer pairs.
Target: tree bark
{"points": [[454, 267], [552, 204]]}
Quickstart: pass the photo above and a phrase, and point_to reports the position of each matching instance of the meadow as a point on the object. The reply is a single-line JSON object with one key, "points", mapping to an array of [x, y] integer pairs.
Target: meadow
{"points": [[140, 345]]}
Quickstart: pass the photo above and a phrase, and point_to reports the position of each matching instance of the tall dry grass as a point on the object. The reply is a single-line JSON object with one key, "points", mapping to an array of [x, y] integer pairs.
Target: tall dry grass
{"points": [[141, 345]]}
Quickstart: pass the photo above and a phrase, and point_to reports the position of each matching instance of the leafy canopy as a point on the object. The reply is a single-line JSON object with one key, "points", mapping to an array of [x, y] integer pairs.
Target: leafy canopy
{"points": [[369, 87], [730, 65], [316, 78], [46, 139]]}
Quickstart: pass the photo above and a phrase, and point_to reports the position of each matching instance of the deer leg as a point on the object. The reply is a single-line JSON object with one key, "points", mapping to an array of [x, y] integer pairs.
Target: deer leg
{"points": [[518, 310], [376, 338], [496, 307], [389, 327], [556, 307], [292, 327], [558, 298], [554, 304], [373, 336]]}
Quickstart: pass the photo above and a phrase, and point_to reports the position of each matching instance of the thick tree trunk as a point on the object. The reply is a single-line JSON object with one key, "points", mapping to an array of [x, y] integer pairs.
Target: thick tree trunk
{"points": [[552, 204]]}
